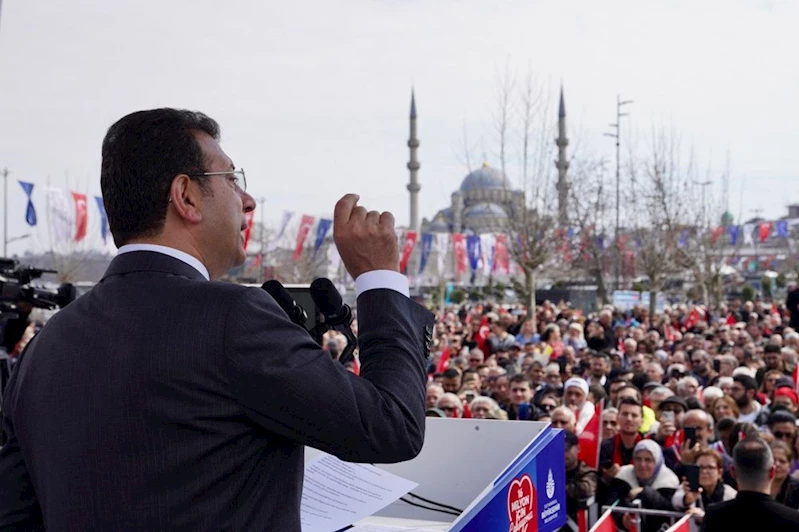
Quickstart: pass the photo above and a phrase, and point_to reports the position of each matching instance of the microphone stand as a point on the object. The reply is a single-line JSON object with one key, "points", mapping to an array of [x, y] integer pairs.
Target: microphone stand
{"points": [[322, 326]]}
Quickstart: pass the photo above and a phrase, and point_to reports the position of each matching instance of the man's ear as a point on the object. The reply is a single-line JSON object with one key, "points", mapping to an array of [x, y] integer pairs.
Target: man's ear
{"points": [[772, 472], [185, 198]]}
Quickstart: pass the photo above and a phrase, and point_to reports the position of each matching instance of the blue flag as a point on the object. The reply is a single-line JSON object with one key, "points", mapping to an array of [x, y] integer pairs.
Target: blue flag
{"points": [[474, 250], [321, 233], [103, 218], [683, 239], [782, 228], [30, 211], [427, 246], [734, 229]]}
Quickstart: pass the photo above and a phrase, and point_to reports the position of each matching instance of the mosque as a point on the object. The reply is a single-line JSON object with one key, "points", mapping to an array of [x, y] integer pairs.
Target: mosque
{"points": [[485, 201]]}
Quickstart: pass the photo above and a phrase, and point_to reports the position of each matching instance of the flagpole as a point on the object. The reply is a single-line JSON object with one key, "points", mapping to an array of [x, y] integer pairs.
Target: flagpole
{"points": [[5, 202]]}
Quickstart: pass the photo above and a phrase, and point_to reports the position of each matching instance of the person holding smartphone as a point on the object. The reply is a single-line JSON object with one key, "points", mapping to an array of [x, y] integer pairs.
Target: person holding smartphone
{"points": [[706, 485]]}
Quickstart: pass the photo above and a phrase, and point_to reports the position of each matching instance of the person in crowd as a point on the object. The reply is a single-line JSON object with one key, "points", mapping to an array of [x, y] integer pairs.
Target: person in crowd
{"points": [[743, 391], [754, 470], [434, 393], [712, 488], [648, 480], [784, 489], [724, 406], [581, 480], [563, 417], [575, 396], [451, 405], [610, 423], [486, 408]]}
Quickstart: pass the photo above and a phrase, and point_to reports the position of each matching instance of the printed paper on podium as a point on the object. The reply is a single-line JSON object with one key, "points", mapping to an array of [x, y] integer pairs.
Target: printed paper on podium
{"points": [[336, 494]]}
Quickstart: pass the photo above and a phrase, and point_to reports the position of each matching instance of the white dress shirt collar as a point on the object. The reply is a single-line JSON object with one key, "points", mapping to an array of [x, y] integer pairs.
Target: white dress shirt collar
{"points": [[172, 252]]}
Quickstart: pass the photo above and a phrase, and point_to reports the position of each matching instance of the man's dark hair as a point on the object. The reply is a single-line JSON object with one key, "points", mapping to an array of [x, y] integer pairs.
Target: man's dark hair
{"points": [[749, 383], [752, 459], [519, 377], [598, 392], [631, 401], [780, 416], [450, 373], [142, 153], [772, 348]]}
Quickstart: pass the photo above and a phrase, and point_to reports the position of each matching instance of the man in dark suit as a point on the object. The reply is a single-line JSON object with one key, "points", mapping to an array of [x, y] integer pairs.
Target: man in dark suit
{"points": [[753, 468], [166, 400]]}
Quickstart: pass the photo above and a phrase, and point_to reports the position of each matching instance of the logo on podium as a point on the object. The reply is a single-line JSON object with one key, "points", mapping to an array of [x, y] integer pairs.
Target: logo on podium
{"points": [[521, 505]]}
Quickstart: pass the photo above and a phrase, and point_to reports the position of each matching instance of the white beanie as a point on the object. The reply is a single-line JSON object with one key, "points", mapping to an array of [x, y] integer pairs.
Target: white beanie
{"points": [[576, 382]]}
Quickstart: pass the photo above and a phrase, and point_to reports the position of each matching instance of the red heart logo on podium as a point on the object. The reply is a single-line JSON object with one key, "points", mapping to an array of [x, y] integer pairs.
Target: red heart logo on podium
{"points": [[522, 505]]}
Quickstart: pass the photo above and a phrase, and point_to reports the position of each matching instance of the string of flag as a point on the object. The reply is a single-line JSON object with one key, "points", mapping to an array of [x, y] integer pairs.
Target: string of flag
{"points": [[68, 213]]}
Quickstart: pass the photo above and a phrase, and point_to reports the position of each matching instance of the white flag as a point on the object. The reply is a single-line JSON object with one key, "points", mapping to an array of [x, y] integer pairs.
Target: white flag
{"points": [[287, 215], [334, 262], [442, 246], [487, 243], [61, 214], [749, 229]]}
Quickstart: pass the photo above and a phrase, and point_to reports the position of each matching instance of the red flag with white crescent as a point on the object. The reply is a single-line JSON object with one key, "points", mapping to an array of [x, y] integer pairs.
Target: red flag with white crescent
{"points": [[247, 231], [459, 251], [81, 217], [407, 249], [305, 227]]}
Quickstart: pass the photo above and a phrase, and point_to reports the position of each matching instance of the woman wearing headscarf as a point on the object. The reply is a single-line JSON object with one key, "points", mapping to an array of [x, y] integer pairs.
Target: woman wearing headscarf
{"points": [[648, 480]]}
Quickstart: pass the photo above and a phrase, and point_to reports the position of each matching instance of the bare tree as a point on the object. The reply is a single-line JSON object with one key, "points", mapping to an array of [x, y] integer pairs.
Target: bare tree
{"points": [[659, 200], [587, 250]]}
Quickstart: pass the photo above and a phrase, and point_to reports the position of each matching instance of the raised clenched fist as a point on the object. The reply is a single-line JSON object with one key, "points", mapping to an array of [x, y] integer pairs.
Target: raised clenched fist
{"points": [[366, 240]]}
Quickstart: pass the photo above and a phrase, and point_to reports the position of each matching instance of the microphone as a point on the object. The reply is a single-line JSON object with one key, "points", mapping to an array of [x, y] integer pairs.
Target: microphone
{"points": [[328, 301], [335, 315], [295, 312]]}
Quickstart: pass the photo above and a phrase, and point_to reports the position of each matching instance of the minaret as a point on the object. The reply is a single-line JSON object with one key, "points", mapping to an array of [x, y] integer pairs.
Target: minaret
{"points": [[413, 166], [562, 164]]}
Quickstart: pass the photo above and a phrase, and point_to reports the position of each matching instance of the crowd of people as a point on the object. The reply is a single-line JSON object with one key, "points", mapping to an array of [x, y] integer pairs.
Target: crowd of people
{"points": [[678, 391]]}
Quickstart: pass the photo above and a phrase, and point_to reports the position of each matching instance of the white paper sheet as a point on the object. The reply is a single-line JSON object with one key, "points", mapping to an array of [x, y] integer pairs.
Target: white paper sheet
{"points": [[336, 494]]}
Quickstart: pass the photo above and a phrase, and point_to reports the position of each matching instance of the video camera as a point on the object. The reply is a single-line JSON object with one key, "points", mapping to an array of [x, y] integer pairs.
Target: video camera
{"points": [[15, 288]]}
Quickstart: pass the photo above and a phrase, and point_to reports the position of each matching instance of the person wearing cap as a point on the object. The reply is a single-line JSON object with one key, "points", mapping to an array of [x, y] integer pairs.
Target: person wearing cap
{"points": [[785, 398], [575, 396], [667, 431], [581, 480]]}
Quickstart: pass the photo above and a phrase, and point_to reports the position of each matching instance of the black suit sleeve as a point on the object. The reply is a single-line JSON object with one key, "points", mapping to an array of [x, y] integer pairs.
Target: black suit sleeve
{"points": [[290, 387], [19, 507]]}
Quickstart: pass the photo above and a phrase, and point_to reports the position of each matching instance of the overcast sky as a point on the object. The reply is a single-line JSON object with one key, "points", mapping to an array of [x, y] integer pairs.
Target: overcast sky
{"points": [[313, 96]]}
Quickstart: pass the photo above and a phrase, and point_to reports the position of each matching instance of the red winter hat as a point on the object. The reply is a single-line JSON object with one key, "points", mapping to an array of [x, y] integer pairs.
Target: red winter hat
{"points": [[787, 392]]}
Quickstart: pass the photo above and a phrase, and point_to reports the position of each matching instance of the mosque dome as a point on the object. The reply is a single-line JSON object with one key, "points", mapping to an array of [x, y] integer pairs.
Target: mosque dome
{"points": [[484, 209], [483, 178], [727, 219]]}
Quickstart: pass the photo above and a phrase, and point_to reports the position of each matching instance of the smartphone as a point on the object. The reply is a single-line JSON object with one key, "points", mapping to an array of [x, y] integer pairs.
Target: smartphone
{"points": [[690, 436], [692, 475], [668, 415], [716, 365]]}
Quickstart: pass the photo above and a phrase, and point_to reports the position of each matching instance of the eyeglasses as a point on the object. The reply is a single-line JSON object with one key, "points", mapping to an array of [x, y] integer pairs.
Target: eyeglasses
{"points": [[783, 435], [232, 175]]}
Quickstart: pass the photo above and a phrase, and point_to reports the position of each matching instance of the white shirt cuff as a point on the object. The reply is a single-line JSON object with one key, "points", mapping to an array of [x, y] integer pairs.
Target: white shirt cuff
{"points": [[382, 279]]}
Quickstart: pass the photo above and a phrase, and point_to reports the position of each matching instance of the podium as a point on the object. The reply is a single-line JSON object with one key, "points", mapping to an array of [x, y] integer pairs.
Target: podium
{"points": [[503, 475]]}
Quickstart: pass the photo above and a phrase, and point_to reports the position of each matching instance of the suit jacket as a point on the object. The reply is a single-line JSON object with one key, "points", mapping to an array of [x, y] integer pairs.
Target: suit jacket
{"points": [[162, 401], [753, 508]]}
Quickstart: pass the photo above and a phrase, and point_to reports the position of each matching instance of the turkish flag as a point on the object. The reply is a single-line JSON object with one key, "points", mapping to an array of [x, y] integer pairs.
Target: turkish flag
{"points": [[683, 525], [247, 231], [605, 523], [590, 439], [302, 234], [765, 229], [459, 251], [407, 249], [443, 362], [81, 217]]}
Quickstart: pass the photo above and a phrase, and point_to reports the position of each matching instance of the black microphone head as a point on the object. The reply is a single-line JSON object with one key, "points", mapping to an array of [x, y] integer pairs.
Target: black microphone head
{"points": [[282, 297], [279, 294], [326, 297]]}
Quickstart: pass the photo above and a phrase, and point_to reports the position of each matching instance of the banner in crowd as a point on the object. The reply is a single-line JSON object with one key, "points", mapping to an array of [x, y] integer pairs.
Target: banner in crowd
{"points": [[442, 246], [591, 437]]}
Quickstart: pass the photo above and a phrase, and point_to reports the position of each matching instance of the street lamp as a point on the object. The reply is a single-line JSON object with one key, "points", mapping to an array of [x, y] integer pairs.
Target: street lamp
{"points": [[617, 135]]}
